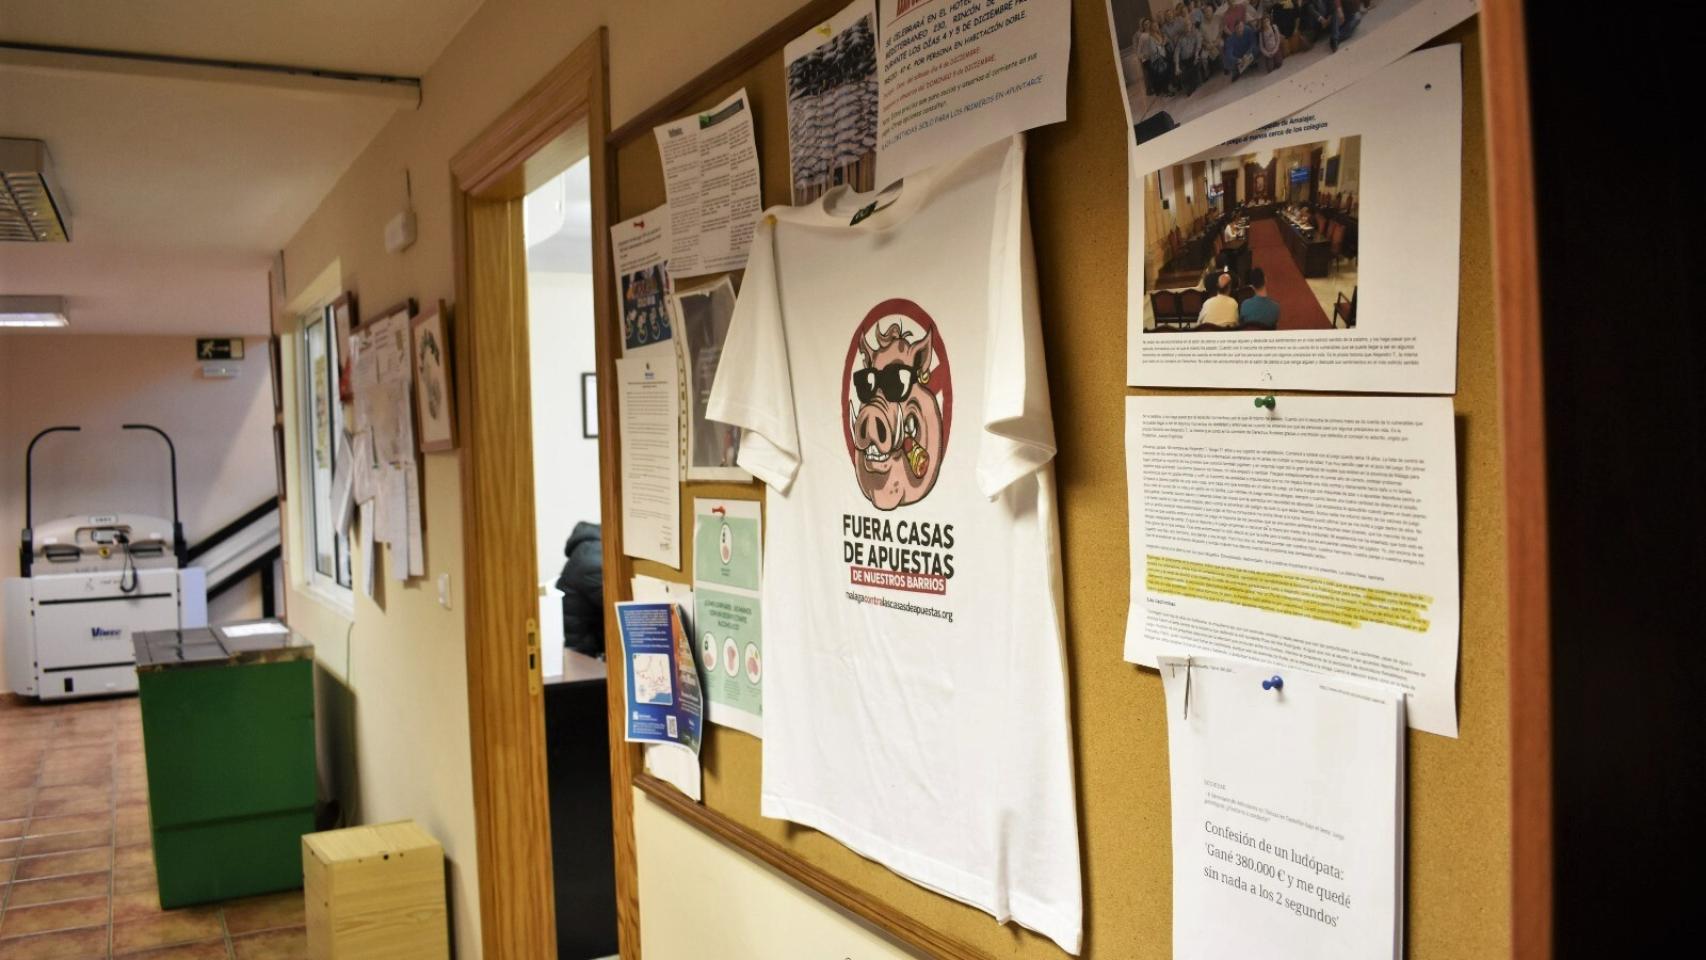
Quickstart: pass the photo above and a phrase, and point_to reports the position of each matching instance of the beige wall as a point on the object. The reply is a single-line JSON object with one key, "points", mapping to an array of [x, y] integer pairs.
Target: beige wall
{"points": [[222, 429], [394, 685], [700, 899]]}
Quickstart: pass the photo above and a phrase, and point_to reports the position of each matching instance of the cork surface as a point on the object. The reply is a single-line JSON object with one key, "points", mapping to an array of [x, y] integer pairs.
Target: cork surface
{"points": [[1457, 880]]}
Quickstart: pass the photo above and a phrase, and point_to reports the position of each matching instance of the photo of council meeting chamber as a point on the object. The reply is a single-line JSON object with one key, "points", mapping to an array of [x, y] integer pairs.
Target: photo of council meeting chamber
{"points": [[1257, 241], [1184, 58]]}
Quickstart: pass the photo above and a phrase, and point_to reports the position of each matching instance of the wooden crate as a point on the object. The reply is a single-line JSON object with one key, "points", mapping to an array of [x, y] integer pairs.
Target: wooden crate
{"points": [[374, 893]]}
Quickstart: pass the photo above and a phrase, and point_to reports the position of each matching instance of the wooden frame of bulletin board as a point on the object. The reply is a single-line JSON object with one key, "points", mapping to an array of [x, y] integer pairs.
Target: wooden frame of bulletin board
{"points": [[1478, 843]]}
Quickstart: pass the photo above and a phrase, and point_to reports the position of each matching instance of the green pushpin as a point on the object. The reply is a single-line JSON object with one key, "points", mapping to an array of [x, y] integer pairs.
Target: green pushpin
{"points": [[1265, 402]]}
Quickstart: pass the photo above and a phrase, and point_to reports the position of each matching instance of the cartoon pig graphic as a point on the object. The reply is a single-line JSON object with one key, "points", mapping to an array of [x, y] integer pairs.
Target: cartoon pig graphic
{"points": [[896, 422]]}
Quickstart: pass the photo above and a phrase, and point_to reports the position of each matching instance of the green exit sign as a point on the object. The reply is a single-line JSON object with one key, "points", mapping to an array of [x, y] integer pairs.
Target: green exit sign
{"points": [[219, 348]]}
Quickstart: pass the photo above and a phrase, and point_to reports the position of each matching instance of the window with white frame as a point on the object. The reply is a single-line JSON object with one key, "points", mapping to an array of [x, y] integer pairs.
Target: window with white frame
{"points": [[326, 554]]}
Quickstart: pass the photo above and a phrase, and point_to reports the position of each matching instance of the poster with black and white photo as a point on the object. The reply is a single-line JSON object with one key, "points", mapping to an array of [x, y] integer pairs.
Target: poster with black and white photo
{"points": [[704, 314], [832, 104]]}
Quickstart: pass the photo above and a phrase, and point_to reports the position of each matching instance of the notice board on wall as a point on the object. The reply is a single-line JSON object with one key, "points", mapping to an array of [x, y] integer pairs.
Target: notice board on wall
{"points": [[1457, 872]]}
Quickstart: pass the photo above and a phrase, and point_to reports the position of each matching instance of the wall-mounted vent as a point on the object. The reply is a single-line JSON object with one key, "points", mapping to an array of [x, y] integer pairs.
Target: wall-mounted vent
{"points": [[30, 209]]}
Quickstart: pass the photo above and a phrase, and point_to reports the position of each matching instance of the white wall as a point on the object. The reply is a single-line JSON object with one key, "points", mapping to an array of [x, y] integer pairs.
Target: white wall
{"points": [[565, 465], [222, 429], [700, 899]]}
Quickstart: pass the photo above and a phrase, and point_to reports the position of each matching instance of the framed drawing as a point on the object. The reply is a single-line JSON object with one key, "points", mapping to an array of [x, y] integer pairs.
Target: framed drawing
{"points": [[435, 406], [589, 406], [344, 321]]}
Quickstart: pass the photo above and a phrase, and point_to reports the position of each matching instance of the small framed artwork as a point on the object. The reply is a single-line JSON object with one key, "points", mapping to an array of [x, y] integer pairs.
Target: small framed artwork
{"points": [[589, 406], [435, 404], [343, 322]]}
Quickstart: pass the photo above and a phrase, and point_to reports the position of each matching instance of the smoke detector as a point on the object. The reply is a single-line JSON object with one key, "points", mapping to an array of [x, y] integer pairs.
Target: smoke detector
{"points": [[30, 209]]}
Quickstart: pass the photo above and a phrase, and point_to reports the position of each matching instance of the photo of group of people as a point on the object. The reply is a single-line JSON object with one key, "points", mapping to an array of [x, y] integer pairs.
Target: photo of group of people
{"points": [[1183, 58], [645, 313], [1258, 240]]}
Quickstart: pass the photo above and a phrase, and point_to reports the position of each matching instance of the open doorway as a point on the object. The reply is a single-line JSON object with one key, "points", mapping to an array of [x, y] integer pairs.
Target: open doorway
{"points": [[562, 356]]}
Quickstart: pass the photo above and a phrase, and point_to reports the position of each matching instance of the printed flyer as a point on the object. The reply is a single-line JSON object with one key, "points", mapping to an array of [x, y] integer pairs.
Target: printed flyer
{"points": [[728, 540], [660, 682]]}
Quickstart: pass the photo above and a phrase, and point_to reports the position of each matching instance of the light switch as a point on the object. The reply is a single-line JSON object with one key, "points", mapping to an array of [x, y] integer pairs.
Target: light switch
{"points": [[444, 590]]}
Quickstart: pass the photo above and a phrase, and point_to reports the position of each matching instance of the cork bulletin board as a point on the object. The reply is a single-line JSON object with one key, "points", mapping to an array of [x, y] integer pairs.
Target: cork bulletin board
{"points": [[1457, 883]]}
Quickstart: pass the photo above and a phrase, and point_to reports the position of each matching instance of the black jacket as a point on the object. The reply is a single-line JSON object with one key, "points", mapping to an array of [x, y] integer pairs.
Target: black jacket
{"points": [[582, 584]]}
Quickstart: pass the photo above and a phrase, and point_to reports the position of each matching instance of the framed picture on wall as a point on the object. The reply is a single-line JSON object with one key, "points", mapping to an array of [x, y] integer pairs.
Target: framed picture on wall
{"points": [[589, 406], [435, 404], [344, 321]]}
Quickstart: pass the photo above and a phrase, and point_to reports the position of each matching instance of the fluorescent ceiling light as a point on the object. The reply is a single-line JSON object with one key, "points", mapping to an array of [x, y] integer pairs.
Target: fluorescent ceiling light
{"points": [[33, 312]]}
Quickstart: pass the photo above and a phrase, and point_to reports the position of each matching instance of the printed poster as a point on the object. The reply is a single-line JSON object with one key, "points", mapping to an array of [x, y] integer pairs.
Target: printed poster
{"points": [[704, 315], [728, 548], [659, 680], [955, 75], [1194, 78], [641, 256], [1319, 252], [710, 173], [832, 104]]}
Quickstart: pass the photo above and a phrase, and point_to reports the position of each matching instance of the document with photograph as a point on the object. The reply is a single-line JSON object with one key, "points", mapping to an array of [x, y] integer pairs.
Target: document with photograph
{"points": [[1199, 72], [661, 686], [710, 174], [1288, 812], [728, 563], [704, 314], [1315, 533], [650, 405], [1247, 264], [832, 104], [640, 252], [670, 762], [955, 75]]}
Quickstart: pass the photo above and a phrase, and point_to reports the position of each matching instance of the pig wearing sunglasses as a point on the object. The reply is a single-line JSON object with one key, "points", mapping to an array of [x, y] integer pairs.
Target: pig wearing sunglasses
{"points": [[896, 420]]}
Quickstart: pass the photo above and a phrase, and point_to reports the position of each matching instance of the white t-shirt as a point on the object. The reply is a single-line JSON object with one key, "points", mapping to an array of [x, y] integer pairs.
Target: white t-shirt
{"points": [[890, 376]]}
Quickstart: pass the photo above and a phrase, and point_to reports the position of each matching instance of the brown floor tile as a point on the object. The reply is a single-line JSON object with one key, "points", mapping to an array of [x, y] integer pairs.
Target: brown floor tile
{"points": [[75, 823], [73, 776], [9, 848], [133, 813], [264, 913], [59, 801], [63, 842], [90, 944], [30, 892], [134, 857], [17, 777], [135, 836], [208, 950], [190, 925], [137, 906], [64, 915], [7, 868], [135, 880], [12, 829], [16, 802], [64, 864], [289, 944]]}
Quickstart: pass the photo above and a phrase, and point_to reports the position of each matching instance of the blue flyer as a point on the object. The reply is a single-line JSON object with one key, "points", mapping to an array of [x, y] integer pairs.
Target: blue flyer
{"points": [[661, 678]]}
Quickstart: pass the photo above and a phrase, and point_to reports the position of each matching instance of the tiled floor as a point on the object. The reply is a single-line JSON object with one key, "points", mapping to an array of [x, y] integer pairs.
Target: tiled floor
{"points": [[76, 861]]}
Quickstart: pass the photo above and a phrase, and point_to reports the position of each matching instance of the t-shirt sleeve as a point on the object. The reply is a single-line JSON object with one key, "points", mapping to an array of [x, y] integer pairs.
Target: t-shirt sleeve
{"points": [[1018, 423], [753, 389]]}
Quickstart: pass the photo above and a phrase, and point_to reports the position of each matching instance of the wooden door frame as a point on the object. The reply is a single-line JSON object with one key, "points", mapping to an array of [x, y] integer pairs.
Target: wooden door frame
{"points": [[527, 144]]}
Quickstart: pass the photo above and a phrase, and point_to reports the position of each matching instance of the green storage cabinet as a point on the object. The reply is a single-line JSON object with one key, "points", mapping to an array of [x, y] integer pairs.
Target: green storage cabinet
{"points": [[228, 732]]}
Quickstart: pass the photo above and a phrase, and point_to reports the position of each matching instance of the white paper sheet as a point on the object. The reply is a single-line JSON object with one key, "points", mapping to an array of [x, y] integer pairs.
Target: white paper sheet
{"points": [[343, 490], [1321, 535], [1395, 146], [412, 517], [651, 458], [263, 629], [1288, 813], [396, 500], [369, 550], [668, 762], [1220, 109], [362, 486], [955, 77], [710, 169], [641, 256]]}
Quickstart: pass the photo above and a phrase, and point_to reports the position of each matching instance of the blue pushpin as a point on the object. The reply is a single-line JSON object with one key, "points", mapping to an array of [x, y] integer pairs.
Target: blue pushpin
{"points": [[1274, 682]]}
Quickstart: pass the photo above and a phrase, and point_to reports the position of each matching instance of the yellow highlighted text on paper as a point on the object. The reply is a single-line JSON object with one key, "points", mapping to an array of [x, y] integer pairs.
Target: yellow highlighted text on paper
{"points": [[1318, 598]]}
